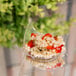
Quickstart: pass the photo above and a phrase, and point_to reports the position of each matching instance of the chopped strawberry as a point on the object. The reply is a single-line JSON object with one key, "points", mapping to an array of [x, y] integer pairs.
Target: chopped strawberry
{"points": [[33, 34], [59, 49], [31, 44], [55, 66], [29, 56], [29, 53], [50, 47], [48, 68], [61, 45], [58, 64], [48, 34], [55, 37]]}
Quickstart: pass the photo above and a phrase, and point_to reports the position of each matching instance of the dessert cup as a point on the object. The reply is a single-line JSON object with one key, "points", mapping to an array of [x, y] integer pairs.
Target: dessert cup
{"points": [[37, 59], [37, 54]]}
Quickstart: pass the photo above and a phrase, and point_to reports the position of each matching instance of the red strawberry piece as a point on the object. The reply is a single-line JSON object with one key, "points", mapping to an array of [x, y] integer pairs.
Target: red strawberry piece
{"points": [[61, 45], [55, 37], [29, 56], [29, 53], [50, 47], [58, 64], [31, 44], [59, 49], [48, 68], [33, 34], [48, 34], [55, 66]]}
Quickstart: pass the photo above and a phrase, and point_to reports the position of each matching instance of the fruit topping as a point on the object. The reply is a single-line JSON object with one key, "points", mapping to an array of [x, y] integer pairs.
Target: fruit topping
{"points": [[48, 34], [31, 43]]}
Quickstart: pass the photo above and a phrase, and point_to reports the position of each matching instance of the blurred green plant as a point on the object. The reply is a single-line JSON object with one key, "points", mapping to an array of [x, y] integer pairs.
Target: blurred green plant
{"points": [[14, 16]]}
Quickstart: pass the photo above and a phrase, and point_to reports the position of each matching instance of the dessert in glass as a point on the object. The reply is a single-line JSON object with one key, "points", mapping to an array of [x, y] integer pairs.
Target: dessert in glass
{"points": [[45, 51]]}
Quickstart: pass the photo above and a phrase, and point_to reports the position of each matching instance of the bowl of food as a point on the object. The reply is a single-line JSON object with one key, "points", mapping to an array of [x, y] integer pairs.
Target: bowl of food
{"points": [[45, 51]]}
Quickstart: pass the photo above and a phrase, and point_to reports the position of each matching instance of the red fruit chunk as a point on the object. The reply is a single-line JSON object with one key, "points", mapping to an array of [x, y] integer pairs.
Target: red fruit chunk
{"points": [[48, 34], [49, 68], [61, 46], [29, 56], [50, 47], [33, 34], [55, 37], [55, 66], [59, 49], [31, 44], [58, 65], [29, 53]]}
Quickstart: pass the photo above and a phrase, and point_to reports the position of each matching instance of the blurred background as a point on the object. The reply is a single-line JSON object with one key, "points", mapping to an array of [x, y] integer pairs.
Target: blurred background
{"points": [[55, 16]]}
